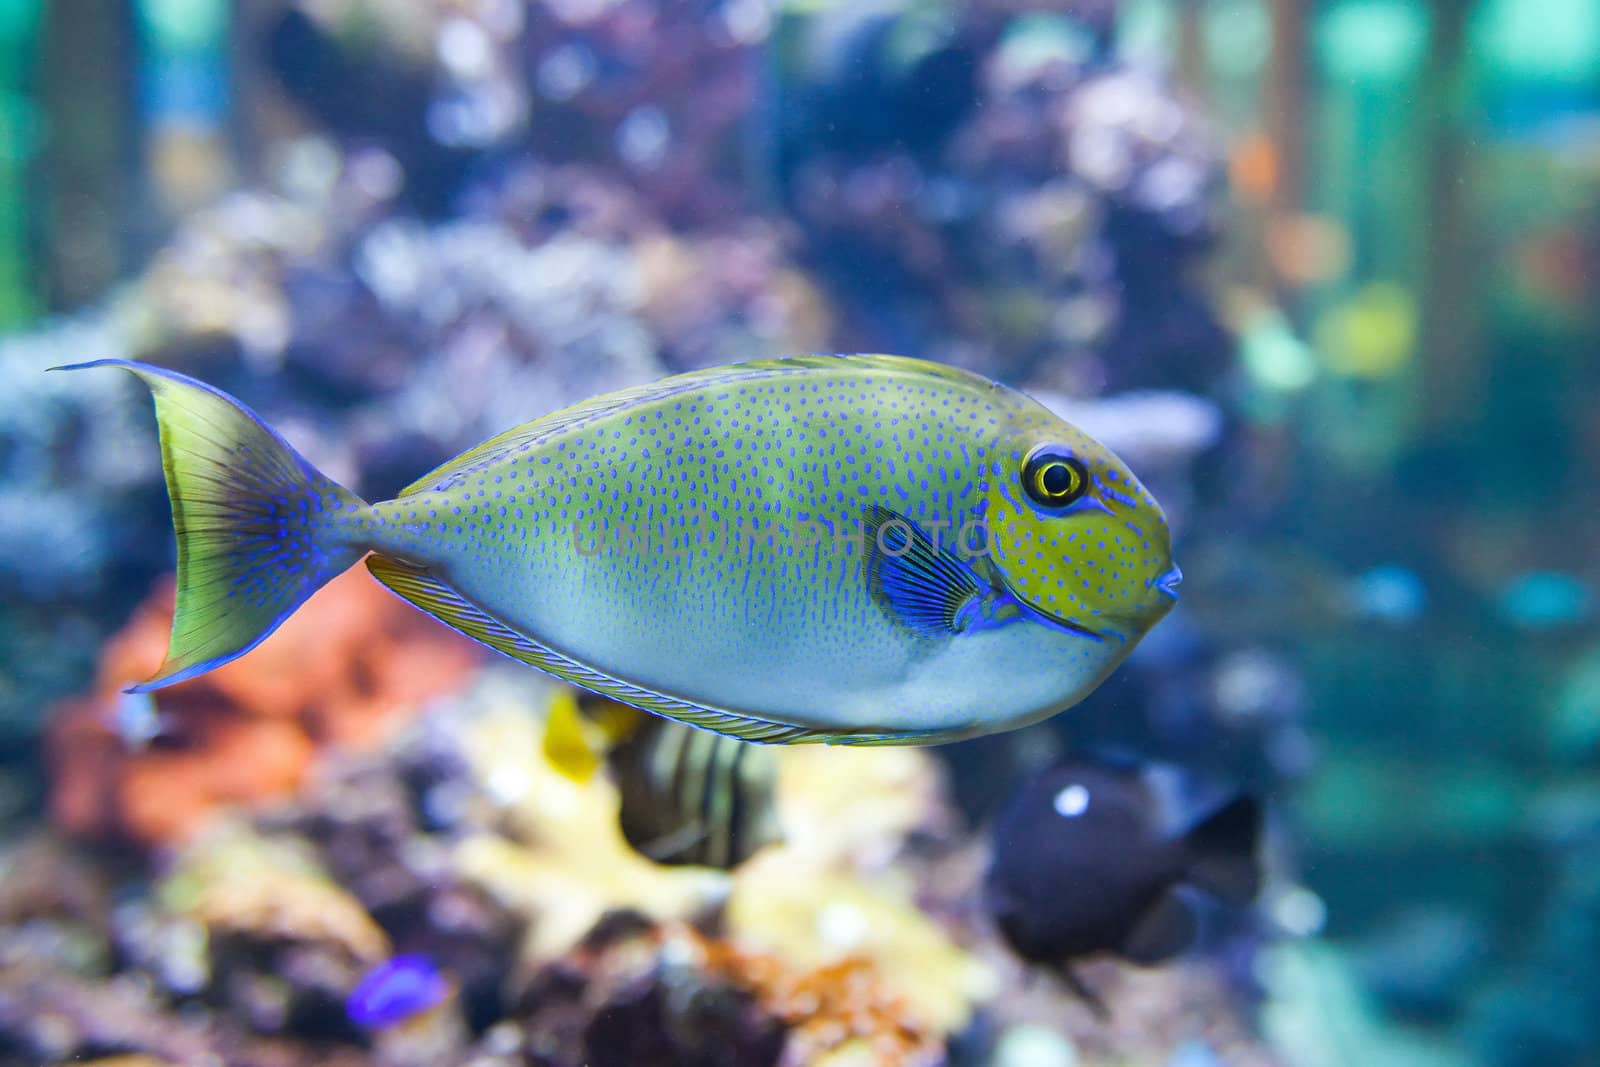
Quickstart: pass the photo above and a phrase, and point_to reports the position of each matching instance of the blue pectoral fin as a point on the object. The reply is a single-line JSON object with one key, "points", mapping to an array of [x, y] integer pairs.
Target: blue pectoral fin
{"points": [[925, 587]]}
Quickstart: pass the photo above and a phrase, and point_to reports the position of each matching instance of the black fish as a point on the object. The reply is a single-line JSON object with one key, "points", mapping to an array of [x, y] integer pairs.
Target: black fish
{"points": [[1091, 859]]}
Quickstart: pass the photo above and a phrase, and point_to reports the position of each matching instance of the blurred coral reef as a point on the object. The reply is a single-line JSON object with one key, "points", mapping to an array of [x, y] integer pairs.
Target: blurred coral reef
{"points": [[462, 215], [342, 673], [857, 942], [459, 216], [1360, 379]]}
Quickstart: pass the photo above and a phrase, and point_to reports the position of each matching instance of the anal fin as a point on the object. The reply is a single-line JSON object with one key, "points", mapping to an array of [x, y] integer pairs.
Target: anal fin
{"points": [[1086, 993], [1167, 929]]}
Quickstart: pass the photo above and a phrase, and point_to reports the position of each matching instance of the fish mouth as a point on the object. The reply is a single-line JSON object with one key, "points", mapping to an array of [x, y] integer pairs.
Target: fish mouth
{"points": [[1167, 584]]}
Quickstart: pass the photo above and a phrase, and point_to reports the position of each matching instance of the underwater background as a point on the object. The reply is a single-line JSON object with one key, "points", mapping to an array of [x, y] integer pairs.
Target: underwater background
{"points": [[1323, 272]]}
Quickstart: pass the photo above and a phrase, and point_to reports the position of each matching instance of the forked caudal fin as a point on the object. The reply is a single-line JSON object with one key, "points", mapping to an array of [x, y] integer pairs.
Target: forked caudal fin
{"points": [[259, 529]]}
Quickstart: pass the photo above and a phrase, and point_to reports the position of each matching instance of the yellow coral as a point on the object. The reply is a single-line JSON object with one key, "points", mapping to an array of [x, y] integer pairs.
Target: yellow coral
{"points": [[567, 862], [846, 814], [235, 881], [843, 805], [830, 892], [813, 919]]}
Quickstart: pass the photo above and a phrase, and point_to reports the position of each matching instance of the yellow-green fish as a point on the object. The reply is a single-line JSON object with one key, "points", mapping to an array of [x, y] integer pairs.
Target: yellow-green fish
{"points": [[850, 549]]}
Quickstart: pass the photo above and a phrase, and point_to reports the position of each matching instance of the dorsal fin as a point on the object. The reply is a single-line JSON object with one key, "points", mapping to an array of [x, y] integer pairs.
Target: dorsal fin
{"points": [[439, 600], [519, 438]]}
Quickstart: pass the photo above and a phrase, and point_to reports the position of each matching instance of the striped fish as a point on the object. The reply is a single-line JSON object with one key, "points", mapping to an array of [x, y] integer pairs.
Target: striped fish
{"points": [[695, 797], [687, 796]]}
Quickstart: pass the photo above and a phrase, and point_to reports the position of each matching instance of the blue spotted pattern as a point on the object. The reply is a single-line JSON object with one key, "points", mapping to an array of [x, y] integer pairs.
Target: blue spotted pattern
{"points": [[704, 538]]}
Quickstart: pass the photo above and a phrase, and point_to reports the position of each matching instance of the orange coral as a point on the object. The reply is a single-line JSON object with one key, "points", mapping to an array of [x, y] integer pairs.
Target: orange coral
{"points": [[826, 1008], [344, 670]]}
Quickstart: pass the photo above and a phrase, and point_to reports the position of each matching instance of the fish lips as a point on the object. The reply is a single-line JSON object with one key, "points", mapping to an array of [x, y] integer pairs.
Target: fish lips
{"points": [[1167, 584]]}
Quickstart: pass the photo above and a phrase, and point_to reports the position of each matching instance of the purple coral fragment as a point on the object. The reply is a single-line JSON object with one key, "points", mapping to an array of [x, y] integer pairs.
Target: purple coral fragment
{"points": [[396, 990]]}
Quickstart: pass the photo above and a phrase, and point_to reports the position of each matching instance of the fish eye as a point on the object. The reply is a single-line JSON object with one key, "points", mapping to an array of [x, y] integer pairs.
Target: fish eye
{"points": [[1054, 480]]}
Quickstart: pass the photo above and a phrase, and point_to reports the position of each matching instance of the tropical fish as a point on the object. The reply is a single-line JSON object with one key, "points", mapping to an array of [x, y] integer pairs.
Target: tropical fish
{"points": [[576, 741], [849, 549], [687, 796], [1092, 858]]}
